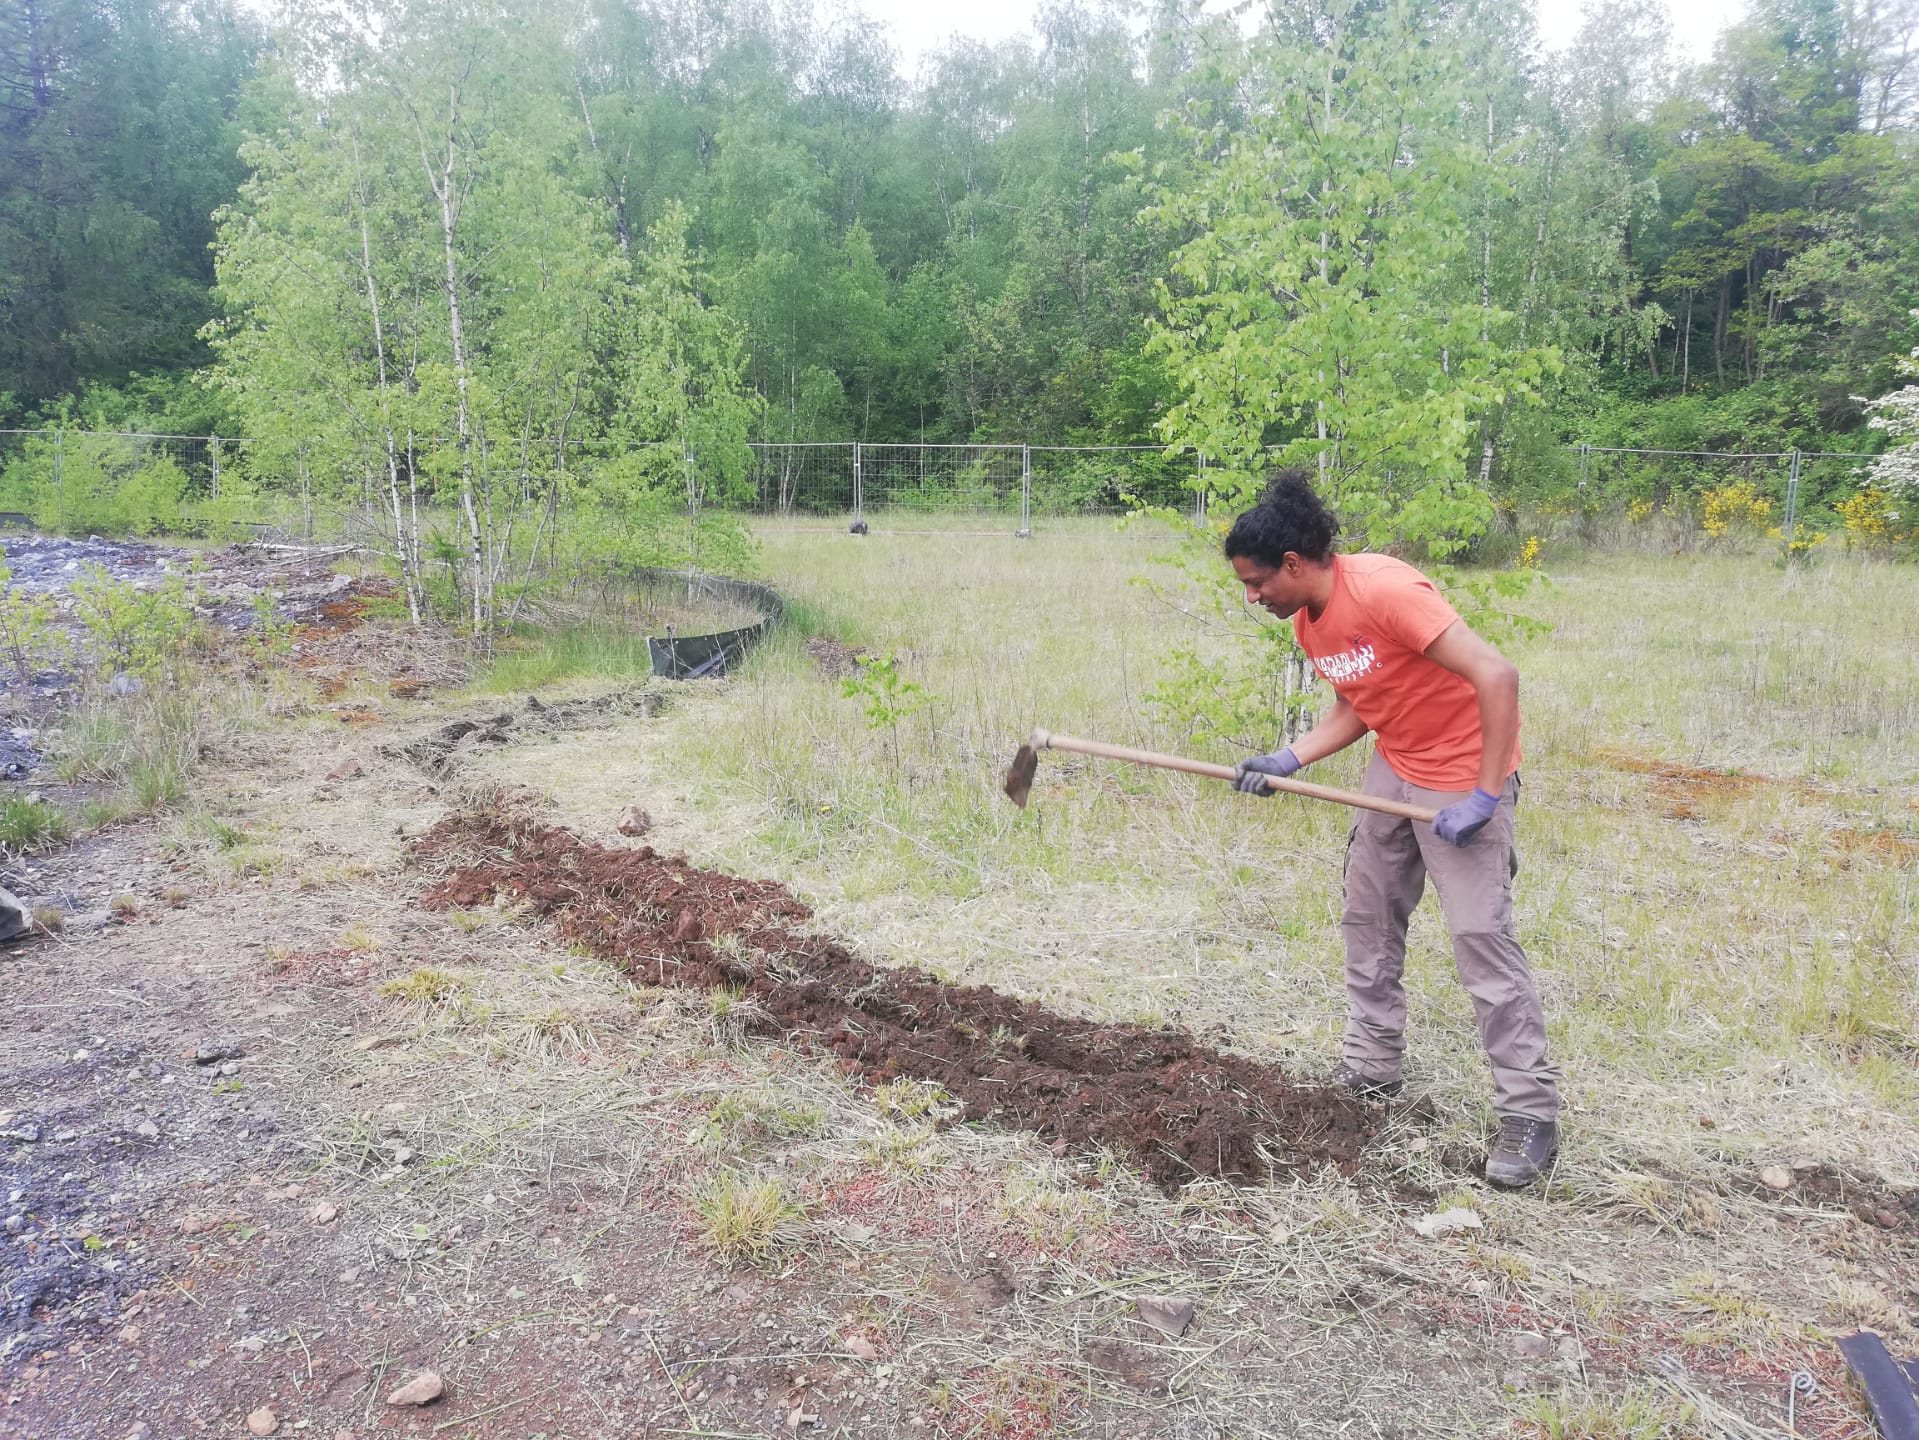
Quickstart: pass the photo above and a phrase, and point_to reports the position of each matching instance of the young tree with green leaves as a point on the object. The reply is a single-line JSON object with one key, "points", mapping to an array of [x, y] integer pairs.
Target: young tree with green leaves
{"points": [[1328, 308]]}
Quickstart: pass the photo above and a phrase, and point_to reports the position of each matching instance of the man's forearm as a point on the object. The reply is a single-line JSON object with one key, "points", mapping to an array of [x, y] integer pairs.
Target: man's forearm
{"points": [[1341, 727], [1498, 727]]}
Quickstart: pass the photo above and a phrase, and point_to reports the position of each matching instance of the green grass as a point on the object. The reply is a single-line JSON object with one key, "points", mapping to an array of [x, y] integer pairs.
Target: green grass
{"points": [[747, 1220], [29, 825], [540, 660]]}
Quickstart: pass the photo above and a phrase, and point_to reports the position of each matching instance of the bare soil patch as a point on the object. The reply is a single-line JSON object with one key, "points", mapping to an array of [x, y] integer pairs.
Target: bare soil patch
{"points": [[1180, 1110], [836, 661], [441, 750]]}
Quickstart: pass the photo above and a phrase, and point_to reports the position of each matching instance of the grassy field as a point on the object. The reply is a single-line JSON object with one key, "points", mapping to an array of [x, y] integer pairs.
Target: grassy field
{"points": [[1718, 829]]}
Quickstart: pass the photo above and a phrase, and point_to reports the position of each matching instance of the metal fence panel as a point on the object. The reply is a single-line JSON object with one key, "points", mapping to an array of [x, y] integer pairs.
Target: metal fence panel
{"points": [[69, 479]]}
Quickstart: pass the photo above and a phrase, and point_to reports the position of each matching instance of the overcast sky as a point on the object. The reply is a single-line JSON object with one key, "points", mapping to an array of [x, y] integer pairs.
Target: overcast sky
{"points": [[919, 26]]}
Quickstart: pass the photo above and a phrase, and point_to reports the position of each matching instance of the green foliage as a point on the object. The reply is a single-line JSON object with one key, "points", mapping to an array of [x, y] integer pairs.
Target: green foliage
{"points": [[28, 636], [1325, 310], [1248, 686], [117, 141], [1374, 236], [887, 696], [144, 633], [272, 632]]}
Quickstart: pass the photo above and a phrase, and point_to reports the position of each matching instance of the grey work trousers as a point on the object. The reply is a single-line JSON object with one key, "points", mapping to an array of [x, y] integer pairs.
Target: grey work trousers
{"points": [[1387, 862]]}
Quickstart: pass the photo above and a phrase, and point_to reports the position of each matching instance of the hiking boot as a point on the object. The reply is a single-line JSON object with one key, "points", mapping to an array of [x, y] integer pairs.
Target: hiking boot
{"points": [[1523, 1149], [1367, 1088]]}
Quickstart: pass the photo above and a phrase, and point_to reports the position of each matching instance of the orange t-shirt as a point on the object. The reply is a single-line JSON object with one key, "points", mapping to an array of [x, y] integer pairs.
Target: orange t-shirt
{"points": [[1370, 643]]}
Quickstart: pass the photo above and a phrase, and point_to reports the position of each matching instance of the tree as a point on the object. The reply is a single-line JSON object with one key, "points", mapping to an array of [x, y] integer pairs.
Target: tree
{"points": [[118, 136], [1326, 308]]}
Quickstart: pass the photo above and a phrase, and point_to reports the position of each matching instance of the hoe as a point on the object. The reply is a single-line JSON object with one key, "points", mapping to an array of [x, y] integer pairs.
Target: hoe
{"points": [[1019, 779]]}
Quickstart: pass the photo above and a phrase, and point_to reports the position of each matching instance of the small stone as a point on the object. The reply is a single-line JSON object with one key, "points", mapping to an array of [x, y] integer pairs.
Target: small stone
{"points": [[263, 1421], [252, 1344], [861, 1348], [1776, 1177], [1531, 1345], [634, 821], [324, 1213], [422, 1389], [1886, 1219], [347, 769], [16, 1224], [147, 1130], [123, 684], [130, 1335], [1168, 1313], [1570, 1351], [191, 1225], [215, 1051], [232, 1067]]}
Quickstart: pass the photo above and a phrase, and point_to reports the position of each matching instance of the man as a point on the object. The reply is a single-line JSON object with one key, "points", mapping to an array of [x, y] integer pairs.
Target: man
{"points": [[1443, 706]]}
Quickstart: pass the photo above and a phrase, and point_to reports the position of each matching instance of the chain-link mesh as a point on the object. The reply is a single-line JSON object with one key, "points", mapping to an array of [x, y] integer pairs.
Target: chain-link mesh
{"points": [[1695, 495], [813, 478]]}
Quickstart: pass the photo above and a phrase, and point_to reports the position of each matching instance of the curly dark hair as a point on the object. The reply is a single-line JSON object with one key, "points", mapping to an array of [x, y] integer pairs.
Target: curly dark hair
{"points": [[1288, 517]]}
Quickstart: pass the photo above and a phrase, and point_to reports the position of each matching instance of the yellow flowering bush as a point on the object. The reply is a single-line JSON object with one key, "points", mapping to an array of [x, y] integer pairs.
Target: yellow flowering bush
{"points": [[1738, 505], [1529, 553], [1871, 521]]}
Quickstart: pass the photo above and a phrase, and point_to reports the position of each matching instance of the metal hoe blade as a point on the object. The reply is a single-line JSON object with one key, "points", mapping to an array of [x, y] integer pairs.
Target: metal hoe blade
{"points": [[1019, 776]]}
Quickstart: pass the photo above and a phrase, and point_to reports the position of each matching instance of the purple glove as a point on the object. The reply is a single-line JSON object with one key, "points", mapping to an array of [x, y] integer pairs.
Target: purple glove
{"points": [[1248, 774], [1463, 819]]}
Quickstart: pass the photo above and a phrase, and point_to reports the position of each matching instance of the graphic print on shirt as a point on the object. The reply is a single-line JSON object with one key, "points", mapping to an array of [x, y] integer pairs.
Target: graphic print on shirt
{"points": [[1358, 660]]}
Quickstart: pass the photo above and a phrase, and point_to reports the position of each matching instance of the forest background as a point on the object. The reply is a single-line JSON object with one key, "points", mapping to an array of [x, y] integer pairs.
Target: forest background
{"points": [[1401, 242]]}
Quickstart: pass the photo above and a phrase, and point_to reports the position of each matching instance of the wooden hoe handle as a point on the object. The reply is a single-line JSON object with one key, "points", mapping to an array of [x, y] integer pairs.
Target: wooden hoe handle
{"points": [[1046, 740]]}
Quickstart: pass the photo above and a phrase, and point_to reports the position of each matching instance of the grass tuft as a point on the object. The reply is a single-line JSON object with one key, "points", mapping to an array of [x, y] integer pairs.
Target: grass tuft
{"points": [[30, 825], [747, 1221], [1640, 1415], [427, 987]]}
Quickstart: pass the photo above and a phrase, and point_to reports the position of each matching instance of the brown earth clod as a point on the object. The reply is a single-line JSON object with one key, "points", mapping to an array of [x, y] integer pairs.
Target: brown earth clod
{"points": [[1180, 1110]]}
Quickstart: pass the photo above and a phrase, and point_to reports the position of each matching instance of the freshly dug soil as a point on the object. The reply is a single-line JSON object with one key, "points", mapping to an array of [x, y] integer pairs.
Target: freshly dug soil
{"points": [[1182, 1111]]}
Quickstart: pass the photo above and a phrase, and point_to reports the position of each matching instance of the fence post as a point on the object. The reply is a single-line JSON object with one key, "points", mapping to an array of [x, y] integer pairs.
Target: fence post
{"points": [[1585, 461], [859, 508], [1025, 531], [1792, 500], [1199, 489], [59, 486], [216, 467]]}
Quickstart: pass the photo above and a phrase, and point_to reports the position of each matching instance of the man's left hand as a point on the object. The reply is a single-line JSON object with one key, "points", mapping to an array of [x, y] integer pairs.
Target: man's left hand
{"points": [[1463, 819]]}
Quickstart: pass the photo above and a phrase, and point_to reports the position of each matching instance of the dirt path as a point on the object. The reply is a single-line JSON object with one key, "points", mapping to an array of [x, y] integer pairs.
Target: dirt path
{"points": [[361, 1107]]}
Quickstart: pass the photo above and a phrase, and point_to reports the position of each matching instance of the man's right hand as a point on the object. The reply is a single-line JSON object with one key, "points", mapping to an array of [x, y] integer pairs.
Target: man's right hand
{"points": [[1249, 775]]}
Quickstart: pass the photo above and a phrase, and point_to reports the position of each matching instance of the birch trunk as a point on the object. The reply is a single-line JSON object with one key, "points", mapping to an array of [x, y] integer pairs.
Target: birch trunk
{"points": [[405, 546], [442, 182]]}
